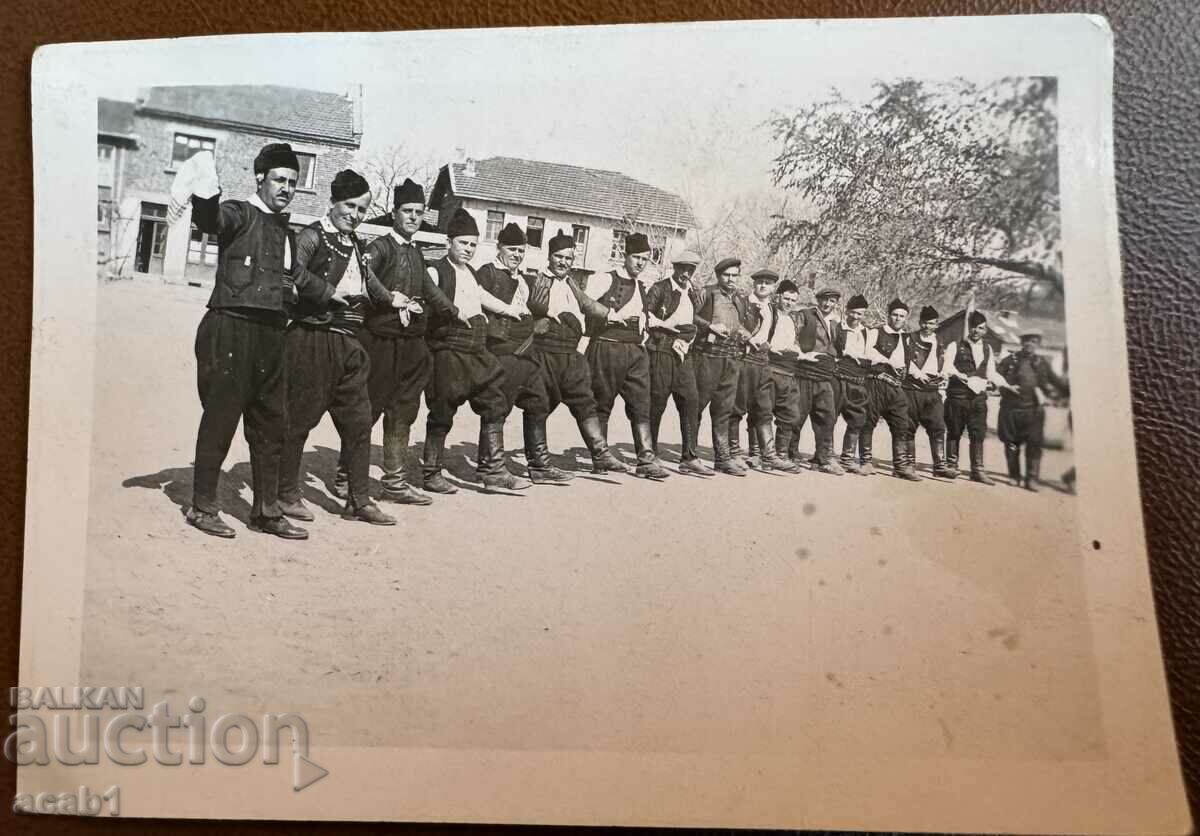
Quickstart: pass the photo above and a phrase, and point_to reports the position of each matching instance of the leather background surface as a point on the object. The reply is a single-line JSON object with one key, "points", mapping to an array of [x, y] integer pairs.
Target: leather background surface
{"points": [[1157, 112]]}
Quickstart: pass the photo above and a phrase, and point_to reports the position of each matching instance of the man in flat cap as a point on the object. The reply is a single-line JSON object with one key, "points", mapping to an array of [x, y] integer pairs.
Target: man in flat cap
{"points": [[887, 349], [464, 371], [1022, 418], [779, 396], [969, 365], [922, 389], [816, 335], [721, 335], [850, 387], [394, 338], [507, 338], [670, 314], [240, 341], [560, 309], [618, 362], [327, 367]]}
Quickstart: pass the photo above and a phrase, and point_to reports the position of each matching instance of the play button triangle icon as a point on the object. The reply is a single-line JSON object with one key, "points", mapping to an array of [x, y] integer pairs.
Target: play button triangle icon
{"points": [[305, 773]]}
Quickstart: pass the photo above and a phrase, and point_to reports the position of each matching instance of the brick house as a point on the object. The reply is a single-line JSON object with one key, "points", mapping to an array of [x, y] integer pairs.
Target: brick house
{"points": [[140, 143], [599, 208]]}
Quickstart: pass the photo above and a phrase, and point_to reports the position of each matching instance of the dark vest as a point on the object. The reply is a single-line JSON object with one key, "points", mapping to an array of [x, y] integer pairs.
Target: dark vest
{"points": [[401, 269], [330, 264], [447, 333], [964, 361], [662, 300], [616, 297], [918, 352], [250, 271], [811, 336], [504, 335], [848, 368], [885, 344], [553, 336]]}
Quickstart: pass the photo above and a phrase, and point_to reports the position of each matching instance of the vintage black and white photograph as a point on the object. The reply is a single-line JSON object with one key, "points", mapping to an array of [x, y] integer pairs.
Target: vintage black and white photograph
{"points": [[663, 425]]}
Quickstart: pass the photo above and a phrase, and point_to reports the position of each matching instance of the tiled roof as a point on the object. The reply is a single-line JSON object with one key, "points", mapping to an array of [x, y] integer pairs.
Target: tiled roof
{"points": [[569, 188], [114, 118], [272, 109]]}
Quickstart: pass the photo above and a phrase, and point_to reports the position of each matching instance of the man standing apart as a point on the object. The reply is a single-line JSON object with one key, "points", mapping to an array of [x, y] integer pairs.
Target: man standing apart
{"points": [[560, 309], [239, 344], [463, 369], [1022, 419], [970, 365], [327, 367], [850, 387], [922, 389], [618, 363], [816, 334], [716, 352], [394, 338], [887, 350], [670, 315]]}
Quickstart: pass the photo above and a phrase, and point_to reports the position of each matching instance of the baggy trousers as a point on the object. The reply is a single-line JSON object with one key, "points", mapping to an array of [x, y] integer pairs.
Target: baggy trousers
{"points": [[672, 377], [925, 410], [327, 372], [716, 389], [966, 412], [562, 378], [619, 368], [816, 400], [241, 376], [400, 369], [886, 401]]}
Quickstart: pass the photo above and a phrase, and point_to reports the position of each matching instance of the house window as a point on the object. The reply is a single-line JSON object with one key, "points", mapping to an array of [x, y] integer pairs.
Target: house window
{"points": [[308, 171], [202, 249], [581, 242], [618, 245], [533, 231], [104, 208], [495, 220], [186, 146], [103, 152]]}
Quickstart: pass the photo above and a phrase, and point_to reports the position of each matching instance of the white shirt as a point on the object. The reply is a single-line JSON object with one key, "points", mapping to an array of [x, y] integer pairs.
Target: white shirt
{"points": [[562, 300], [257, 203], [401, 240], [948, 369], [521, 294], [784, 337], [470, 299], [766, 315], [856, 342], [351, 282], [931, 365], [896, 359]]}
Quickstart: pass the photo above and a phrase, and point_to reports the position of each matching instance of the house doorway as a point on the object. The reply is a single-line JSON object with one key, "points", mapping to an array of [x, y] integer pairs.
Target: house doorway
{"points": [[152, 239]]}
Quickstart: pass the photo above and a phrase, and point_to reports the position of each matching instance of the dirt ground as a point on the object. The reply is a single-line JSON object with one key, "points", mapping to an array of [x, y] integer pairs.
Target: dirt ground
{"points": [[725, 615]]}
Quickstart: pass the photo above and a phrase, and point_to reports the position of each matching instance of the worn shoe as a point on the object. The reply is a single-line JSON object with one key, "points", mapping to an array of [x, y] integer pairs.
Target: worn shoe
{"points": [[906, 473], [296, 510], [652, 470], [368, 513], [833, 468], [695, 467], [210, 524], [867, 469], [549, 475], [981, 477], [779, 464], [405, 494], [340, 489], [752, 462], [279, 526], [729, 468], [1031, 485], [505, 481], [944, 472], [606, 462], [437, 484]]}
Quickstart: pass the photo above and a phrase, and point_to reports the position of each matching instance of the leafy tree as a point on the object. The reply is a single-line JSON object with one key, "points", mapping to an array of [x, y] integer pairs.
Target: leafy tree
{"points": [[933, 190]]}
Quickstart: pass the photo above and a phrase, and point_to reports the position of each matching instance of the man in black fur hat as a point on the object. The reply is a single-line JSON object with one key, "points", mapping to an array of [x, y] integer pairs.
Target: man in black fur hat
{"points": [[922, 390], [816, 335], [850, 387], [618, 363], [327, 367], [394, 337], [240, 341], [887, 349], [464, 371]]}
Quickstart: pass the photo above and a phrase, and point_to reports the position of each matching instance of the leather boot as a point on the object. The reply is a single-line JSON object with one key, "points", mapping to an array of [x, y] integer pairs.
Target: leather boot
{"points": [[369, 513], [977, 474], [491, 469], [399, 481], [341, 480], [1012, 458], [689, 461], [537, 453], [723, 463], [940, 468], [901, 467], [754, 452], [647, 465], [850, 451], [1033, 467], [865, 441], [952, 456], [735, 443], [603, 460], [431, 469], [769, 458], [827, 461]]}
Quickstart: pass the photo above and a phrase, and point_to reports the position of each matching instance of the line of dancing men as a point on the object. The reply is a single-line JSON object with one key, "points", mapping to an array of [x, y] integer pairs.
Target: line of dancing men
{"points": [[303, 324]]}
